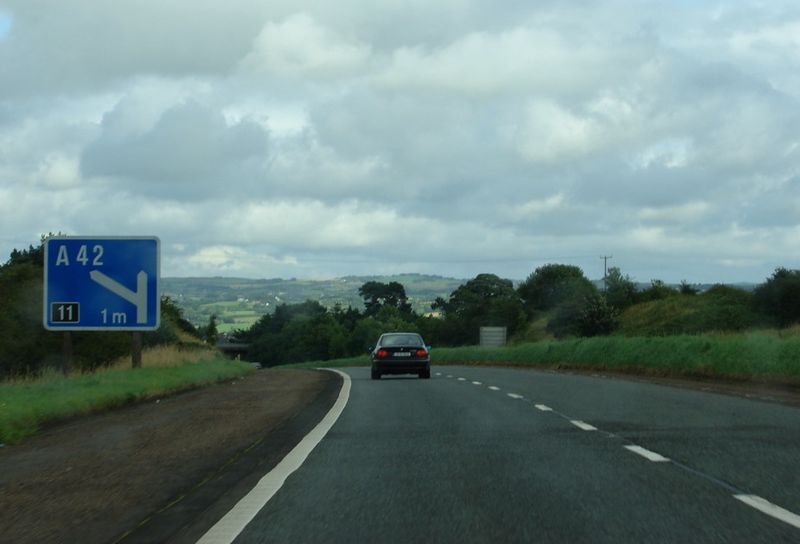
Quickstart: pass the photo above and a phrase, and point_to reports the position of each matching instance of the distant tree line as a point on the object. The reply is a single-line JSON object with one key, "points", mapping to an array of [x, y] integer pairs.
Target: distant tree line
{"points": [[554, 301]]}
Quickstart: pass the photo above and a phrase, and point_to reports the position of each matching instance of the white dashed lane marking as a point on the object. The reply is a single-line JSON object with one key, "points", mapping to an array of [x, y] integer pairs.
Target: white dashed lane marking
{"points": [[582, 425], [763, 505], [438, 374], [754, 501], [647, 454]]}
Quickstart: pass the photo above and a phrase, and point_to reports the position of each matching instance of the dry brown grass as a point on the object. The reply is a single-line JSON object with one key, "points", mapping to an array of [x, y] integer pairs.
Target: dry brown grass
{"points": [[793, 330], [168, 356], [187, 338]]}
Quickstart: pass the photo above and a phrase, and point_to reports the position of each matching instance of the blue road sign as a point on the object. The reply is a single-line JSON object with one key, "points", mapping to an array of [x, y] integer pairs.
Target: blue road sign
{"points": [[101, 283]]}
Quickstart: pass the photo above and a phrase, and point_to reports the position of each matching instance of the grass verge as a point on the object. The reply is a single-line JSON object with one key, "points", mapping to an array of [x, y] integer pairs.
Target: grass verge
{"points": [[756, 357], [26, 405]]}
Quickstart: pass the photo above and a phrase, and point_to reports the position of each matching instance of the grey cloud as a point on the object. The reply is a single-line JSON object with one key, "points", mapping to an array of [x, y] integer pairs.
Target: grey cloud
{"points": [[777, 206], [76, 46], [430, 143], [189, 145], [648, 133], [79, 45]]}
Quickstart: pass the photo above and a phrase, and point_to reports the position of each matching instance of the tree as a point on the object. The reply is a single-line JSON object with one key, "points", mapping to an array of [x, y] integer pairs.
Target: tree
{"points": [[367, 330], [210, 333], [34, 255], [620, 290], [376, 295], [25, 346], [346, 318], [687, 289], [172, 312], [560, 290], [658, 290], [779, 297], [554, 284], [486, 300], [312, 339]]}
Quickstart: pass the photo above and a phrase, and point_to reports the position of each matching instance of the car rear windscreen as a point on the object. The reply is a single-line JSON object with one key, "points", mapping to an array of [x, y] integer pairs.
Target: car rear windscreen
{"points": [[401, 340]]}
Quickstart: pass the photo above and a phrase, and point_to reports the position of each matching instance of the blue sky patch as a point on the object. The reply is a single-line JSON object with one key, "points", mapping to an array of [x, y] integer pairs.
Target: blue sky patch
{"points": [[5, 25]]}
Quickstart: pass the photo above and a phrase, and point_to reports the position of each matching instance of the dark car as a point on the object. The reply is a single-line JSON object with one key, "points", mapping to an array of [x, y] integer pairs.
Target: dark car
{"points": [[400, 353]]}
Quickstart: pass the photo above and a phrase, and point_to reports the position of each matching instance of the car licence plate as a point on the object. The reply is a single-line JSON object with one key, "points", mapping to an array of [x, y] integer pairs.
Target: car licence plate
{"points": [[402, 354]]}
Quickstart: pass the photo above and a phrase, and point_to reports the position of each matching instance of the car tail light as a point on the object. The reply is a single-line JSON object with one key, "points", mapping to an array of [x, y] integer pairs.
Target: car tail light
{"points": [[421, 353], [382, 354]]}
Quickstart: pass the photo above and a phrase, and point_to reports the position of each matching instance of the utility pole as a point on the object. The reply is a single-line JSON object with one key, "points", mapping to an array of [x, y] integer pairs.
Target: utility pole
{"points": [[605, 269]]}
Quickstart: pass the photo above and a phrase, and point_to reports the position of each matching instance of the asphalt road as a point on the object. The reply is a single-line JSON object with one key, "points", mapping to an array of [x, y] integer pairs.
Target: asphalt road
{"points": [[503, 455]]}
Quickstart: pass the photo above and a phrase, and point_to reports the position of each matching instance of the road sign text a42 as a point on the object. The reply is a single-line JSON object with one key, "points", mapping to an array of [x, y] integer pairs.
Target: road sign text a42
{"points": [[82, 256]]}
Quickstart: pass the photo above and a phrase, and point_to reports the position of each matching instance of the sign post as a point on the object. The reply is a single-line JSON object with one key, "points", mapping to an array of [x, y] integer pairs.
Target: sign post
{"points": [[102, 284], [66, 353]]}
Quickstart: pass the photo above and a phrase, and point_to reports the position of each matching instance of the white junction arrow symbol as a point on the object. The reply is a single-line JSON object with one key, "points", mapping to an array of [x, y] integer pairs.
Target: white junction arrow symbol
{"points": [[138, 298]]}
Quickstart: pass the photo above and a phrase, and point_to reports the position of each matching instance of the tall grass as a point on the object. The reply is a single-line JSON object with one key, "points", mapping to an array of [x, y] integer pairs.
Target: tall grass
{"points": [[755, 356], [719, 309], [169, 356], [733, 356], [26, 404]]}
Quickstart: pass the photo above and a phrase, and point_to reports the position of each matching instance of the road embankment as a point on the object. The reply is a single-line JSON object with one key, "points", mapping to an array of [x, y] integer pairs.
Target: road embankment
{"points": [[108, 476], [27, 405]]}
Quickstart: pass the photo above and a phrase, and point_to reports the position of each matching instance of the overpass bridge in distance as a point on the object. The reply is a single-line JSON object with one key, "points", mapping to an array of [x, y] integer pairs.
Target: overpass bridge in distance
{"points": [[232, 349]]}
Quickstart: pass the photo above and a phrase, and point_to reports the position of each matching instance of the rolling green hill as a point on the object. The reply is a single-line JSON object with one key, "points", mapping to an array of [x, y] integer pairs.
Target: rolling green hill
{"points": [[240, 302]]}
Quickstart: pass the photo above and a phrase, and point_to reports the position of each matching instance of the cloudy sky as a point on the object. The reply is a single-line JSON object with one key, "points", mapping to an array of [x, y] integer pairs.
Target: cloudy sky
{"points": [[317, 139]]}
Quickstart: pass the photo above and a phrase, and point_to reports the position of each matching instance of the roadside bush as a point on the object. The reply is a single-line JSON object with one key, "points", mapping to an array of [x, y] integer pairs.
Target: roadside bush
{"points": [[565, 320], [779, 297], [597, 318]]}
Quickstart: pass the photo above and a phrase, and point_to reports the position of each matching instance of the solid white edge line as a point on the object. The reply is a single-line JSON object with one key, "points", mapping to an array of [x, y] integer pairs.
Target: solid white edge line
{"points": [[234, 522], [763, 505], [543, 408], [647, 454], [493, 388], [515, 396], [582, 425]]}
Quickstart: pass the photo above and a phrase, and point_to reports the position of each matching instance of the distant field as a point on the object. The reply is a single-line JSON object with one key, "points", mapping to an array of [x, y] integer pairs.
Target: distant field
{"points": [[241, 322], [238, 303]]}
